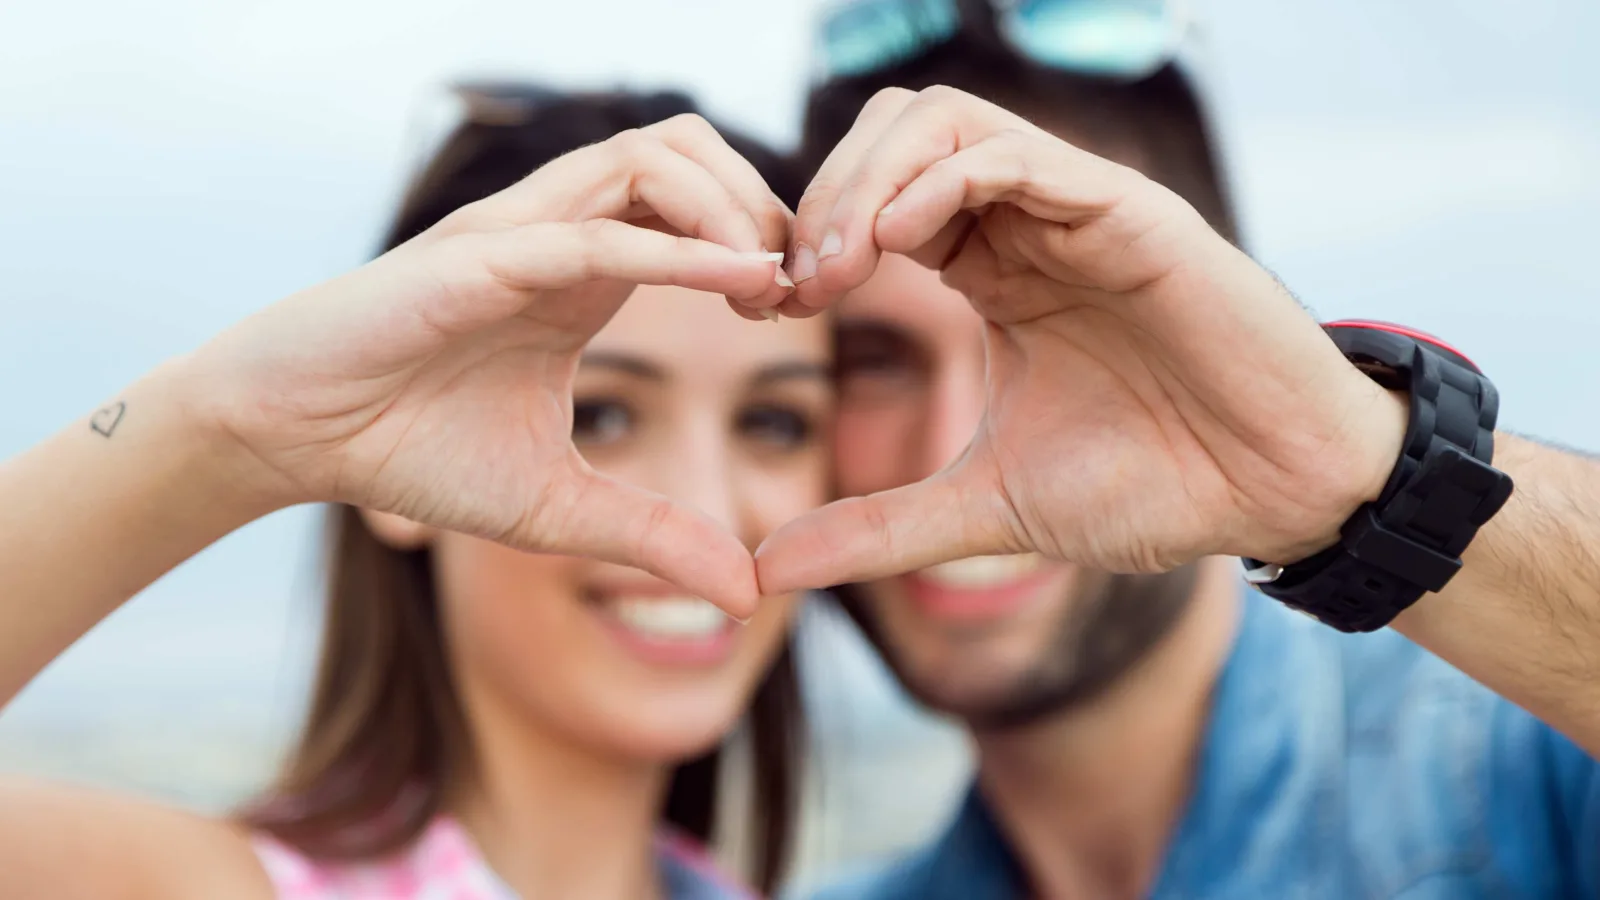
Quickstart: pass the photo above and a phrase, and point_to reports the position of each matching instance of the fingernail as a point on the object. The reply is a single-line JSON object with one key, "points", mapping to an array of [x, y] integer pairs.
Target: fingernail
{"points": [[771, 313], [782, 278], [886, 210], [805, 263], [831, 245], [764, 256]]}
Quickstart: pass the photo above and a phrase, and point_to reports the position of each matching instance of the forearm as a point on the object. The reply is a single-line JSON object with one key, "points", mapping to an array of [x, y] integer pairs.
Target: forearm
{"points": [[1523, 614], [99, 511]]}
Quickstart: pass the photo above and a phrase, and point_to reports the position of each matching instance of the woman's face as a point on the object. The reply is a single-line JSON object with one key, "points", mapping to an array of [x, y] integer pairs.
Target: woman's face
{"points": [[680, 396]]}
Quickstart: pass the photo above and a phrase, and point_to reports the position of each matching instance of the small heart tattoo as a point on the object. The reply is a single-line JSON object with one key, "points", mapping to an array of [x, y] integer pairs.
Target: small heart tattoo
{"points": [[106, 420]]}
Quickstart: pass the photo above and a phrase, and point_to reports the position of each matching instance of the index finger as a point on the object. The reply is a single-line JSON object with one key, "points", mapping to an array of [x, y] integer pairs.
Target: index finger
{"points": [[823, 192], [881, 160], [631, 172], [696, 139]]}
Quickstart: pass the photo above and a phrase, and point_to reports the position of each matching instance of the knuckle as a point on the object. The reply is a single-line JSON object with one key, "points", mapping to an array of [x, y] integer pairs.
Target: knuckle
{"points": [[657, 519], [935, 106], [1135, 179], [887, 99], [1015, 149], [879, 523], [633, 145], [596, 229], [1014, 137], [716, 216], [945, 99], [873, 172], [943, 168], [688, 125], [818, 199], [772, 215], [733, 215], [940, 94], [593, 236]]}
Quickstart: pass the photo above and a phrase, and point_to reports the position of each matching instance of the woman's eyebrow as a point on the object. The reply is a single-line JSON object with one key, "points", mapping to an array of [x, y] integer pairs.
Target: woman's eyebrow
{"points": [[637, 366], [793, 369]]}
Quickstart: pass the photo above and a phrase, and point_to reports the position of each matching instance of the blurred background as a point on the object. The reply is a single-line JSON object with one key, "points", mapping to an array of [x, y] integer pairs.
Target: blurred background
{"points": [[169, 166]]}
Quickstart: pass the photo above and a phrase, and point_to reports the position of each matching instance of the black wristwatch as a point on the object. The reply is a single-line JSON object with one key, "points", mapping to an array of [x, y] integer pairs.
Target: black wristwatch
{"points": [[1442, 490]]}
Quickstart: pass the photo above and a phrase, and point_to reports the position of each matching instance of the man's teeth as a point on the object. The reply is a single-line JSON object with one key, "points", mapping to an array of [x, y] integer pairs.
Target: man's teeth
{"points": [[670, 617], [982, 571]]}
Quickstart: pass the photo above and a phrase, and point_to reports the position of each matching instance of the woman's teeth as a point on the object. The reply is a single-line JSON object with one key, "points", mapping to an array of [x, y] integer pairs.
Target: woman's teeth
{"points": [[670, 617], [982, 571]]}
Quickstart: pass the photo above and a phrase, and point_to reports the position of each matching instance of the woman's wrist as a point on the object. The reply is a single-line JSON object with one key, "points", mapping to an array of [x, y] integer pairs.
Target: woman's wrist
{"points": [[170, 418]]}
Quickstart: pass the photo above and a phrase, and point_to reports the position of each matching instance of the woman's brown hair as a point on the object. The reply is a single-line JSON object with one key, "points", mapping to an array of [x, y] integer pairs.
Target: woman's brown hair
{"points": [[386, 739]]}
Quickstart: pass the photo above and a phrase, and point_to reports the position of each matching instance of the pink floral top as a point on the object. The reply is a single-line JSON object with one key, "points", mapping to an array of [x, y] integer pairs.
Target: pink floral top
{"points": [[444, 864]]}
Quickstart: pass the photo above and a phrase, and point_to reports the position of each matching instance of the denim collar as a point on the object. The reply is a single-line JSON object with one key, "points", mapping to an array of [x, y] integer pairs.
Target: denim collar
{"points": [[1274, 734]]}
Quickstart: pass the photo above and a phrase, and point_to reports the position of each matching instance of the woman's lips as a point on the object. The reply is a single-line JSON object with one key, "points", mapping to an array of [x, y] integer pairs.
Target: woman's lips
{"points": [[979, 588]]}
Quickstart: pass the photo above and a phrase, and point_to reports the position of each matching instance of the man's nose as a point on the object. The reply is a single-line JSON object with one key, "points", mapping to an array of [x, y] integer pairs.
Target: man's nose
{"points": [[955, 407]]}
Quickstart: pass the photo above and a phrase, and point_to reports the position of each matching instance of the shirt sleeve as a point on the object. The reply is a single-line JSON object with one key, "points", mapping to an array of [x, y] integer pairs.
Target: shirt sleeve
{"points": [[1544, 808]]}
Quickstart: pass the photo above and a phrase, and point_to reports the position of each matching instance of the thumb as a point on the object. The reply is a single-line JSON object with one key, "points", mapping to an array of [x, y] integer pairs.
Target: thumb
{"points": [[952, 515], [588, 514]]}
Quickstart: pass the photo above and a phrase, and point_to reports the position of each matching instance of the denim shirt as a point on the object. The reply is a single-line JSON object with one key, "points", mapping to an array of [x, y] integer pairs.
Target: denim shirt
{"points": [[1334, 766]]}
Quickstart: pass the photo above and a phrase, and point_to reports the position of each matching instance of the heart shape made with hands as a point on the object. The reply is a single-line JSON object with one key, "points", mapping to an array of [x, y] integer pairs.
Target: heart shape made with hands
{"points": [[1152, 394]]}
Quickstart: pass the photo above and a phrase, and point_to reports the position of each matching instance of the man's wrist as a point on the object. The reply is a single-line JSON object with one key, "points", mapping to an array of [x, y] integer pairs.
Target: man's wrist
{"points": [[1378, 436], [1406, 537]]}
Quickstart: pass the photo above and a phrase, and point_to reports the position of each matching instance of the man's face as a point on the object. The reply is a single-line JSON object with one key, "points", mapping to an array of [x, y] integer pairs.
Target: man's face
{"points": [[995, 640]]}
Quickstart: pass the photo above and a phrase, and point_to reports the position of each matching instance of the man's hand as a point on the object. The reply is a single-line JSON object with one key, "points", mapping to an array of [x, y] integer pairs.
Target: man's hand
{"points": [[1154, 396]]}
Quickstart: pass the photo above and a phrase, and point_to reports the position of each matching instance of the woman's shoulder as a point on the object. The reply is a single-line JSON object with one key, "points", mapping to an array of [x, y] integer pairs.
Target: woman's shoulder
{"points": [[442, 861], [445, 861], [59, 841]]}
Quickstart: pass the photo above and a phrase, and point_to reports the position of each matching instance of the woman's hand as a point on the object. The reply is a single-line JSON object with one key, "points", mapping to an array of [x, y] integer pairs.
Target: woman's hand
{"points": [[435, 382]]}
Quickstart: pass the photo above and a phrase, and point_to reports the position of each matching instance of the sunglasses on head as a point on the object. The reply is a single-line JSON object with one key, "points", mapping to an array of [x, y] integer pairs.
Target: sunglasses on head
{"points": [[515, 103], [1123, 39]]}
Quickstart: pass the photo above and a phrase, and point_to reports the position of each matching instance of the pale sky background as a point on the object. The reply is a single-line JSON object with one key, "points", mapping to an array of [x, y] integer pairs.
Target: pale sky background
{"points": [[168, 166]]}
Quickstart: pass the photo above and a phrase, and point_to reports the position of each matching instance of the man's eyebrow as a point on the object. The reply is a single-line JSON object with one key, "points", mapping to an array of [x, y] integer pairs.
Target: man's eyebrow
{"points": [[871, 325]]}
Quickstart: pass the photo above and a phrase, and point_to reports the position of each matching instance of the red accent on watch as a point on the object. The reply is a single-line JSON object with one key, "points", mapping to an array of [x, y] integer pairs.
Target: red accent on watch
{"points": [[1406, 331]]}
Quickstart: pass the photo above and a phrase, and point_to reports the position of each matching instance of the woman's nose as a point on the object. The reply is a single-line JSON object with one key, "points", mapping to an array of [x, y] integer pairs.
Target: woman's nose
{"points": [[702, 476]]}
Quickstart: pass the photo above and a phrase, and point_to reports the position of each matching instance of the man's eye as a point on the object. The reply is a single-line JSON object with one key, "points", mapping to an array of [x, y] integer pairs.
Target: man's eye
{"points": [[776, 426], [596, 423], [869, 352]]}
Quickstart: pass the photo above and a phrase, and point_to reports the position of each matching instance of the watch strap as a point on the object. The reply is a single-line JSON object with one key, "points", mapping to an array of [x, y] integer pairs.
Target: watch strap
{"points": [[1442, 490]]}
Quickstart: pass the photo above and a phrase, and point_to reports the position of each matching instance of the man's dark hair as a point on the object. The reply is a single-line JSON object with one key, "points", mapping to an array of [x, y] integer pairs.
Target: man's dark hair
{"points": [[1160, 116]]}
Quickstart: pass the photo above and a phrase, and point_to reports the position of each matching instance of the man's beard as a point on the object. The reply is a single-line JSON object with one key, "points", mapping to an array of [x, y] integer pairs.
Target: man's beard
{"points": [[1113, 625]]}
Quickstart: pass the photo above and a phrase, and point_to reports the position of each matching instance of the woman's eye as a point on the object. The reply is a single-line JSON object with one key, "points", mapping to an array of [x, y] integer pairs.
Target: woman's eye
{"points": [[776, 425], [600, 422]]}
